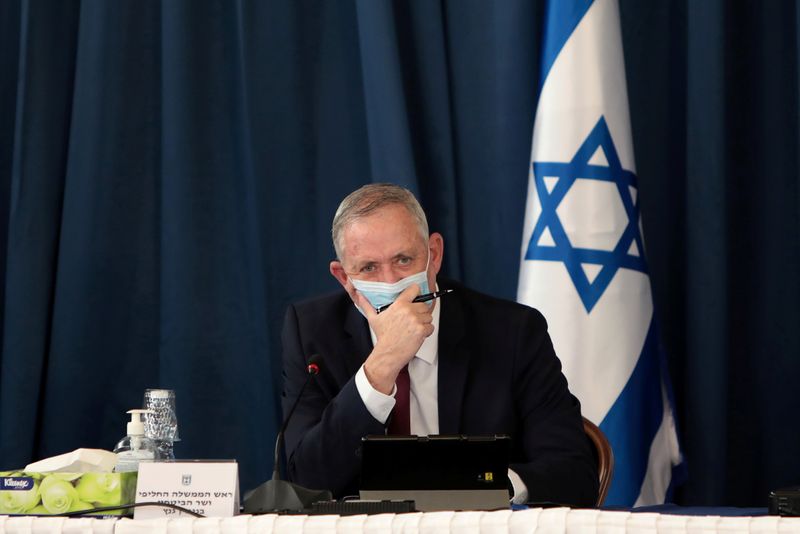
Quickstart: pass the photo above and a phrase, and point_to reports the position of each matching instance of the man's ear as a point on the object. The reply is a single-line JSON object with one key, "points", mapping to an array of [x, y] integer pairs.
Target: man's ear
{"points": [[337, 270], [436, 246]]}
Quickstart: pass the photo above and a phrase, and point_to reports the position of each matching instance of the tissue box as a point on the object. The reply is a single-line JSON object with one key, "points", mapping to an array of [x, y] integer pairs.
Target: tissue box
{"points": [[30, 492]]}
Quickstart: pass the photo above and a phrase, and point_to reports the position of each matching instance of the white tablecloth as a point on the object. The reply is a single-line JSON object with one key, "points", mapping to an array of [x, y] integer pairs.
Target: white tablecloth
{"points": [[533, 521]]}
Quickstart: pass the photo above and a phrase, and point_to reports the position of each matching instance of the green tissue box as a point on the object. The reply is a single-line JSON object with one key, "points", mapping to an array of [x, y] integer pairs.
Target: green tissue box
{"points": [[58, 493]]}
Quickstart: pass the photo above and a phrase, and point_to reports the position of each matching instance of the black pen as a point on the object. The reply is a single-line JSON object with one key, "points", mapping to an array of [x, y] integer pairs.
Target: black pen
{"points": [[420, 298]]}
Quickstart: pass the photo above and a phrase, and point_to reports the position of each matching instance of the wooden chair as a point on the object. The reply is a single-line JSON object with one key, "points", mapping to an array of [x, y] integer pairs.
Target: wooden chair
{"points": [[604, 456]]}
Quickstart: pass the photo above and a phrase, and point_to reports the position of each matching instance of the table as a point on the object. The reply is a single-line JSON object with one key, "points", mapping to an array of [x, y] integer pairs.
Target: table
{"points": [[531, 521]]}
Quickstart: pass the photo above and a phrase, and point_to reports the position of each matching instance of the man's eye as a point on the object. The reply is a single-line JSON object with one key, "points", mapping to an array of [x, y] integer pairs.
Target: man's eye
{"points": [[368, 269], [404, 261]]}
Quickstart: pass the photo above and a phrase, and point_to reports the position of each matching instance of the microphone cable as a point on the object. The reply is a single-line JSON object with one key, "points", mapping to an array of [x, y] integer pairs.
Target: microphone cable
{"points": [[313, 370]]}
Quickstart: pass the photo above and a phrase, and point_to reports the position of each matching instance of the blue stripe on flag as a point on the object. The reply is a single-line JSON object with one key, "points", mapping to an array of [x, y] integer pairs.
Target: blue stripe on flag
{"points": [[561, 18], [633, 421]]}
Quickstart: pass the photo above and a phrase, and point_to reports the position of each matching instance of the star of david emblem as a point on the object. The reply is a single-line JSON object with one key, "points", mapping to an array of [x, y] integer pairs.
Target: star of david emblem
{"points": [[591, 269]]}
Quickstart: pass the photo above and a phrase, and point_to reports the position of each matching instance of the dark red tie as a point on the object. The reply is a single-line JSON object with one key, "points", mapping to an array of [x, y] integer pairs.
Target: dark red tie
{"points": [[401, 415]]}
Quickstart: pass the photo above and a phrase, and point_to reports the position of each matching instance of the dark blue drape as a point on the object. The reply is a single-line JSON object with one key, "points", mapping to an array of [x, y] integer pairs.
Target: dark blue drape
{"points": [[169, 170], [715, 110]]}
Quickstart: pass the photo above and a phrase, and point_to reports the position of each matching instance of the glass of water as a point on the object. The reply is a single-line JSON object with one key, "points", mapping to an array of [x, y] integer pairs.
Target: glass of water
{"points": [[161, 423]]}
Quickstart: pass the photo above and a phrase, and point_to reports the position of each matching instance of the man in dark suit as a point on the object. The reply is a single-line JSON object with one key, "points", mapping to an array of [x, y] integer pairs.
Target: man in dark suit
{"points": [[464, 364]]}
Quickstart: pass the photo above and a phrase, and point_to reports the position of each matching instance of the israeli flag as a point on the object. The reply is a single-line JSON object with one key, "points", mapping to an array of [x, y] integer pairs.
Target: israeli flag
{"points": [[583, 262]]}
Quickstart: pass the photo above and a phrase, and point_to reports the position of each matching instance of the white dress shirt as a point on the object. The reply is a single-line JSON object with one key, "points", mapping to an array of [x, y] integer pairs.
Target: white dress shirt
{"points": [[424, 395]]}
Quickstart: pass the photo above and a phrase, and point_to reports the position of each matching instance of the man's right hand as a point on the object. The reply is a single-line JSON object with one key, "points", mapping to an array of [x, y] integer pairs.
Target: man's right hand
{"points": [[400, 331]]}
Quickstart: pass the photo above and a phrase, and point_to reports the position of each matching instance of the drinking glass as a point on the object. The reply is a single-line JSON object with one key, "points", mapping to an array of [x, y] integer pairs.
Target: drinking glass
{"points": [[161, 423]]}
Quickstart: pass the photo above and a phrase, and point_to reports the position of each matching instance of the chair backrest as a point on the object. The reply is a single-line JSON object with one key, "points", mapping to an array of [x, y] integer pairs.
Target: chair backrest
{"points": [[604, 455]]}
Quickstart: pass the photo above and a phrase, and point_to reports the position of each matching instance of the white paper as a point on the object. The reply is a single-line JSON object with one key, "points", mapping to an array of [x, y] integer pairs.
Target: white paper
{"points": [[207, 488], [77, 461]]}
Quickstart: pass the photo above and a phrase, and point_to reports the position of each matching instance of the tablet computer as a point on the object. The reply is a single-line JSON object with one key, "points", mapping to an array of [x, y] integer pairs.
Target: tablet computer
{"points": [[442, 472]]}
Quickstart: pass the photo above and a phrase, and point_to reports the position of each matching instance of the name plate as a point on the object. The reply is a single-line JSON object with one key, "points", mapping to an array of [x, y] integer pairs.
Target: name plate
{"points": [[206, 487]]}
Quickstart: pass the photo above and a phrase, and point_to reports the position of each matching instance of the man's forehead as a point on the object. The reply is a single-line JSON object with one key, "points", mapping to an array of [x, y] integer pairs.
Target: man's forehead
{"points": [[376, 250], [381, 237]]}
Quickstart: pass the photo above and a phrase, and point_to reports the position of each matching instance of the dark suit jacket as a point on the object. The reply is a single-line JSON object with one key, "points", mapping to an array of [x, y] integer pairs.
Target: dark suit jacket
{"points": [[498, 374]]}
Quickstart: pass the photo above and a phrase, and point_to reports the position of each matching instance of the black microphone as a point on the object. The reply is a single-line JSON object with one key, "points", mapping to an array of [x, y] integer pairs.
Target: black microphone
{"points": [[280, 495], [313, 370]]}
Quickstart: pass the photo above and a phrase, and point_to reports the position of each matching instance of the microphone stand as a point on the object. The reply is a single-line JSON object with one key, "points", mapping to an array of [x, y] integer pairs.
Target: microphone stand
{"points": [[278, 495]]}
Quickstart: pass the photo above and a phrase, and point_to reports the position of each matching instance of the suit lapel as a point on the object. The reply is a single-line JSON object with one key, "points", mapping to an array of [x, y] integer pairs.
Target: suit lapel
{"points": [[358, 344], [454, 355]]}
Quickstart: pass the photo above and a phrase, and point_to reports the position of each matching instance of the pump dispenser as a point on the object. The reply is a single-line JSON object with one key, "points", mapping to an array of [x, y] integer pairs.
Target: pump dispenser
{"points": [[135, 446]]}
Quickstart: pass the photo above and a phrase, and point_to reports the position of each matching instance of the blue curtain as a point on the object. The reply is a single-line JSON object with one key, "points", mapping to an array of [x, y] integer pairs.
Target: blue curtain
{"points": [[169, 170], [715, 109]]}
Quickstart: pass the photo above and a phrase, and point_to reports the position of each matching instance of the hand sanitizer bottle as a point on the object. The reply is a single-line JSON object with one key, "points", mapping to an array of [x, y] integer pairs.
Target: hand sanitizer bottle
{"points": [[134, 447]]}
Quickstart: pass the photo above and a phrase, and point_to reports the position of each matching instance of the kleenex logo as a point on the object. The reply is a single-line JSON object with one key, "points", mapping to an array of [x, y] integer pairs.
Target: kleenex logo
{"points": [[16, 483]]}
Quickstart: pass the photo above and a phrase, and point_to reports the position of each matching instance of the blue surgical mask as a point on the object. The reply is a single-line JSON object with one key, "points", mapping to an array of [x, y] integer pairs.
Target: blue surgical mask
{"points": [[380, 293]]}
